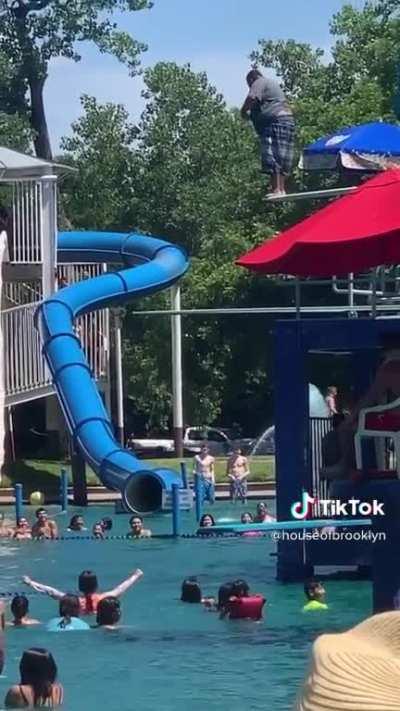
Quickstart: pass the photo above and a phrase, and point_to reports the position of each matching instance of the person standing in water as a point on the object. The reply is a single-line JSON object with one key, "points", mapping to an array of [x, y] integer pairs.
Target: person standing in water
{"points": [[69, 620], [315, 594], [20, 610], [38, 687], [108, 613], [237, 469], [137, 528], [263, 515], [43, 526], [267, 108], [203, 466], [88, 586], [22, 531]]}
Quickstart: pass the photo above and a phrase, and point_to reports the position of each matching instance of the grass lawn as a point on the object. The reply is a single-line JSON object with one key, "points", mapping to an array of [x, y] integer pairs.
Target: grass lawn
{"points": [[43, 475]]}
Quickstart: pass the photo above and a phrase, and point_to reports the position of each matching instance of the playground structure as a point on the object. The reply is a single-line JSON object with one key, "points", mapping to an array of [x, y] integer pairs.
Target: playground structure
{"points": [[34, 248], [372, 294]]}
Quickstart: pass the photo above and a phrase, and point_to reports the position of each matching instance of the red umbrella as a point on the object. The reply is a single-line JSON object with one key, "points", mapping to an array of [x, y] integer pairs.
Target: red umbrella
{"points": [[355, 233]]}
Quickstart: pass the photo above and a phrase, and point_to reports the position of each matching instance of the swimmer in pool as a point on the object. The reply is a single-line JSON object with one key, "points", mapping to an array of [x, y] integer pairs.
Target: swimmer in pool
{"points": [[77, 524], [68, 621], [137, 528], [241, 604], [263, 515], [44, 527], [20, 611], [88, 586], [207, 521], [246, 517], [97, 531], [191, 591], [108, 613], [106, 523], [6, 527], [22, 531], [315, 594], [225, 593], [38, 686]]}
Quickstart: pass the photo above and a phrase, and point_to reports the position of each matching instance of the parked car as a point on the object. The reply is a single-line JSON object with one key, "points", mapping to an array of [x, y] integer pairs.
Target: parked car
{"points": [[218, 443]]}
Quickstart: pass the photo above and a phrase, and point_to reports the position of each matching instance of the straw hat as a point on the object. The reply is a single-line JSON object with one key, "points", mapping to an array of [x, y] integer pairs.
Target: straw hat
{"points": [[358, 670]]}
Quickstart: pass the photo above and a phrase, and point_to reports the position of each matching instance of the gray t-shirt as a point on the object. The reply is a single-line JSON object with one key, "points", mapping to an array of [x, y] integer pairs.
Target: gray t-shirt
{"points": [[270, 97]]}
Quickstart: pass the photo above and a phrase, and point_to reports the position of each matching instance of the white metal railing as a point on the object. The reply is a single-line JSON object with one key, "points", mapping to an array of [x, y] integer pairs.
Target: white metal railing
{"points": [[26, 229], [24, 366], [17, 293]]}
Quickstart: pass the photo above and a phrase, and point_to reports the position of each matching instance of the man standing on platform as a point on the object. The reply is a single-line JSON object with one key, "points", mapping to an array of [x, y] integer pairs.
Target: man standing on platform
{"points": [[266, 106], [203, 466]]}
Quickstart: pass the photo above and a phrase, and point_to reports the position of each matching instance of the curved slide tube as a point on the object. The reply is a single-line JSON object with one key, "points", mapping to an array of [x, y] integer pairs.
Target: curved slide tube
{"points": [[150, 266]]}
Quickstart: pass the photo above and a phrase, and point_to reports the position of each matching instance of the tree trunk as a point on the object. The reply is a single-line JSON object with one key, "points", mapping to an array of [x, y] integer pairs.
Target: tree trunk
{"points": [[38, 119]]}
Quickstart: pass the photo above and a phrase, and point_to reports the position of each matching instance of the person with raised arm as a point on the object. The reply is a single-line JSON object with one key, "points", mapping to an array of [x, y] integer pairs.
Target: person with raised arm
{"points": [[88, 586]]}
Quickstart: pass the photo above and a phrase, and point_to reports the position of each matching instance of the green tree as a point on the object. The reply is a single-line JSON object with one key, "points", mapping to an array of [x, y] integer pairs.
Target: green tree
{"points": [[33, 32], [197, 161], [14, 125], [101, 147], [190, 171]]}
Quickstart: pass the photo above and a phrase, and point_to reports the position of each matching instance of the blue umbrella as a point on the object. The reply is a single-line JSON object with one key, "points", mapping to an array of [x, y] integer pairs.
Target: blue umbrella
{"points": [[371, 146]]}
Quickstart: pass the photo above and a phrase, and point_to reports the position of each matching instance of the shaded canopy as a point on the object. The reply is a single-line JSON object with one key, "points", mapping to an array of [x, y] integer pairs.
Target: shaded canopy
{"points": [[369, 146], [355, 233]]}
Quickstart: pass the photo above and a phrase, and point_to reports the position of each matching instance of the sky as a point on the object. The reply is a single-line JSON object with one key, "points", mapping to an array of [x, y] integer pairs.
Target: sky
{"points": [[216, 36]]}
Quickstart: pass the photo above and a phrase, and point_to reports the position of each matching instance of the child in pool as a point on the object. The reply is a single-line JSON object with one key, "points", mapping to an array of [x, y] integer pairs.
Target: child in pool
{"points": [[315, 594], [191, 592], [240, 604]]}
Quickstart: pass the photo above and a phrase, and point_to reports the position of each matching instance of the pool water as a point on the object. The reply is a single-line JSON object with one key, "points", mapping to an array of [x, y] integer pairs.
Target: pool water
{"points": [[171, 655]]}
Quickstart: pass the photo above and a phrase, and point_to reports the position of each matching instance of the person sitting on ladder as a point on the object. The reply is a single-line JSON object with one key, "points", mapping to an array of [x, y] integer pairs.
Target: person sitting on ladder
{"points": [[266, 106]]}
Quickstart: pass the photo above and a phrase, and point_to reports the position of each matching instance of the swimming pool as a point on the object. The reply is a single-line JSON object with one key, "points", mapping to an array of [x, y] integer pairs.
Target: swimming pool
{"points": [[171, 655]]}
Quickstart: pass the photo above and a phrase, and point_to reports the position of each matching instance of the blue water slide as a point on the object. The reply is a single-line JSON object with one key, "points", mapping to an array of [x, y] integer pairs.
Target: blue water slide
{"points": [[150, 265]]}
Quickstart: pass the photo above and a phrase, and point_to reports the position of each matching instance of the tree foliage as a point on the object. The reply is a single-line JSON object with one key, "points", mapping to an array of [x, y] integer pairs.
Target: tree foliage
{"points": [[33, 32], [189, 170]]}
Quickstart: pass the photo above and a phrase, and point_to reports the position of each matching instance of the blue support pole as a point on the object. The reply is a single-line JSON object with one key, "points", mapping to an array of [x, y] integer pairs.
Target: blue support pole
{"points": [[198, 490], [175, 511], [293, 473], [184, 475], [18, 501], [64, 490]]}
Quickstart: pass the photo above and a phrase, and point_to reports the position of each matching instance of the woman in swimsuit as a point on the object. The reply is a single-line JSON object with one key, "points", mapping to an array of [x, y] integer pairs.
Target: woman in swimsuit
{"points": [[77, 524], [88, 585], [38, 687], [22, 530], [20, 611]]}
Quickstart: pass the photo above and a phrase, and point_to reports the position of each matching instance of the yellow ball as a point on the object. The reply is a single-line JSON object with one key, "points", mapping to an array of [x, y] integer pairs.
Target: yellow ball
{"points": [[36, 498]]}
